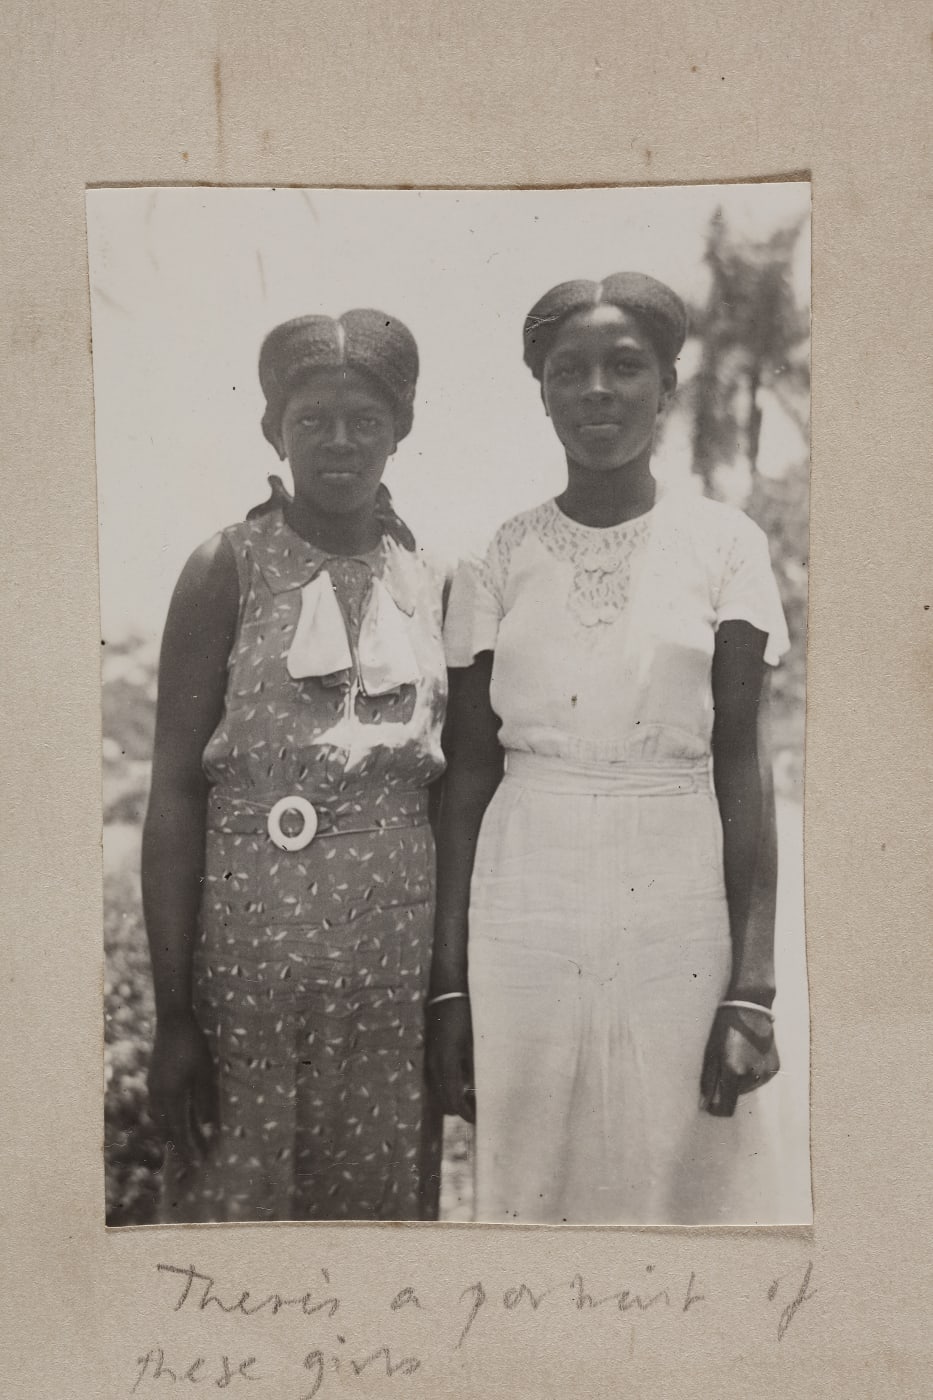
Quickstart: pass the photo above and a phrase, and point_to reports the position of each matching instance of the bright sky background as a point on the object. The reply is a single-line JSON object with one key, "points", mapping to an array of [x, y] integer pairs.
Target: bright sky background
{"points": [[185, 283]]}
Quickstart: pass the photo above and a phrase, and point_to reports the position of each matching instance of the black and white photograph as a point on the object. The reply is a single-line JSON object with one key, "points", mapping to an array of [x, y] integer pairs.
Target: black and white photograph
{"points": [[454, 561]]}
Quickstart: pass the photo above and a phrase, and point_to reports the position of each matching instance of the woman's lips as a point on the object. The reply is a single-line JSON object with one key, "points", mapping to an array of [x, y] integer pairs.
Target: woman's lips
{"points": [[600, 429]]}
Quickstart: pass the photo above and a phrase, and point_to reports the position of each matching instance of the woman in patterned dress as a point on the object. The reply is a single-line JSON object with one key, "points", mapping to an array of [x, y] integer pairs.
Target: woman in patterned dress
{"points": [[288, 863], [603, 969]]}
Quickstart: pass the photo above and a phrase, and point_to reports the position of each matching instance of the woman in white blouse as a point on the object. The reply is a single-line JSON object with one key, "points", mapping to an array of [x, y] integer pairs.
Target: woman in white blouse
{"points": [[603, 970]]}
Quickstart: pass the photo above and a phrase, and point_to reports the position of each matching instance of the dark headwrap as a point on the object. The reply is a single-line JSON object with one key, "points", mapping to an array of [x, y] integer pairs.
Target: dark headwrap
{"points": [[377, 345], [658, 309]]}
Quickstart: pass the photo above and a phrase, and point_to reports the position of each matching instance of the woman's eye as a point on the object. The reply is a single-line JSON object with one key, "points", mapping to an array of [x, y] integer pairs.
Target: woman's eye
{"points": [[366, 425], [310, 421]]}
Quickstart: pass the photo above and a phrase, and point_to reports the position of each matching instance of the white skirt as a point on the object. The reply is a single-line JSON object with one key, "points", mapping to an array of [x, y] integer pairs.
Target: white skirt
{"points": [[599, 949]]}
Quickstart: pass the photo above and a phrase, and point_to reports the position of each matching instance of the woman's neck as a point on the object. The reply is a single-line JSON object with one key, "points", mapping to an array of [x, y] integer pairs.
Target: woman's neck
{"points": [[604, 498], [351, 532]]}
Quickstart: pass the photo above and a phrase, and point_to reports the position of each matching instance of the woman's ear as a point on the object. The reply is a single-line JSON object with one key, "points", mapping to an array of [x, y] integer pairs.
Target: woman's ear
{"points": [[279, 446], [668, 386], [544, 400]]}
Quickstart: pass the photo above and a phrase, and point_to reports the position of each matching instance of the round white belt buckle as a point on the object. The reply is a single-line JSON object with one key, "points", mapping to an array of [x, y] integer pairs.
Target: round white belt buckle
{"points": [[303, 807]]}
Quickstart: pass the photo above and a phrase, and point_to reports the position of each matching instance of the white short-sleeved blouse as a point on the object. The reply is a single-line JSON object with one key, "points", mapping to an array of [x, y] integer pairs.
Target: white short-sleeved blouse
{"points": [[603, 638]]}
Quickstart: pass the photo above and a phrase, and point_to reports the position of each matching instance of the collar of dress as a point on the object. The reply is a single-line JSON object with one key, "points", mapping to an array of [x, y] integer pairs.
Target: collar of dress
{"points": [[321, 646], [286, 561]]}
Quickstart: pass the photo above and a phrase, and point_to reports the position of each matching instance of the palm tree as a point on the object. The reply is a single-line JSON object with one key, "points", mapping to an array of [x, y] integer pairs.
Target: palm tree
{"points": [[755, 342], [754, 338]]}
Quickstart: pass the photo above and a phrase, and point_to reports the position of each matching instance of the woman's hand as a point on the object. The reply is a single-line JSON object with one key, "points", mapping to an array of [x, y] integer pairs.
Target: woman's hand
{"points": [[740, 1056], [450, 1057], [182, 1086]]}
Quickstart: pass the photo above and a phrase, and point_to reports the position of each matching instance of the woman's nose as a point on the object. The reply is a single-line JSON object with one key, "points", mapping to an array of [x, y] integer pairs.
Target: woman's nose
{"points": [[595, 385], [339, 436]]}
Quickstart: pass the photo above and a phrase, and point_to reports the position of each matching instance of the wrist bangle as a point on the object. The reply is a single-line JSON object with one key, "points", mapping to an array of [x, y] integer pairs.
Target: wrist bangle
{"points": [[751, 1006], [447, 996]]}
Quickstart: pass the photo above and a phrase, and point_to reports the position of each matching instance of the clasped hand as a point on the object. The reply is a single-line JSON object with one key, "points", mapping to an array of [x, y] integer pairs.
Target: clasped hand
{"points": [[450, 1057], [741, 1055]]}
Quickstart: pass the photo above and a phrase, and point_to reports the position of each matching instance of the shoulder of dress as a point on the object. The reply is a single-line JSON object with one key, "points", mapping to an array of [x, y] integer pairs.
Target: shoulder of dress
{"points": [[512, 531], [524, 520], [253, 539], [234, 532], [714, 524], [284, 559], [413, 574], [728, 516], [432, 562], [262, 526]]}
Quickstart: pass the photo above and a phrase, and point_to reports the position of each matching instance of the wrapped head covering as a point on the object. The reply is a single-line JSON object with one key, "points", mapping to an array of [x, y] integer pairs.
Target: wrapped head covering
{"points": [[658, 309], [377, 345]]}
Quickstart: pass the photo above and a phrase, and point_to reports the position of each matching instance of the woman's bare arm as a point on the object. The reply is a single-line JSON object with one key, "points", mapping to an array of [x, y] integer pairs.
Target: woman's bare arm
{"points": [[199, 633], [740, 1052], [196, 644], [475, 763], [474, 771], [744, 789]]}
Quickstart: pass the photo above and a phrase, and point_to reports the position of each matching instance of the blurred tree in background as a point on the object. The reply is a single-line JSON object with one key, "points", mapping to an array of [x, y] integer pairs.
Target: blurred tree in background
{"points": [[754, 360], [755, 338]]}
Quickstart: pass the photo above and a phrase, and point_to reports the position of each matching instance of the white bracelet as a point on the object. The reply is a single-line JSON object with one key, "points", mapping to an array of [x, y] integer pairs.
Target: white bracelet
{"points": [[448, 996], [751, 1006]]}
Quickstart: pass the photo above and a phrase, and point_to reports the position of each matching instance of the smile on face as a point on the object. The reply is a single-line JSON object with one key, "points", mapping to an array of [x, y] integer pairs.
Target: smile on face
{"points": [[338, 432], [603, 388]]}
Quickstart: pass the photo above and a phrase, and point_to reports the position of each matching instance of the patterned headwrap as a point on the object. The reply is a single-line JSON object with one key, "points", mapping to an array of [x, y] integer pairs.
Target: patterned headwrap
{"points": [[658, 309], [378, 345]]}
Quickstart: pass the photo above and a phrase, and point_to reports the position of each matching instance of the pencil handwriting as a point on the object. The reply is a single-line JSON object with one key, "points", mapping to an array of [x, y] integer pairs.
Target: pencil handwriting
{"points": [[804, 1294], [273, 1302], [458, 1320]]}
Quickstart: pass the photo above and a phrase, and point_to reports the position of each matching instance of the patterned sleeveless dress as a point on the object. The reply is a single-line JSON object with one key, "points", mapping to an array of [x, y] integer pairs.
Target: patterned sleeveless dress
{"points": [[312, 963]]}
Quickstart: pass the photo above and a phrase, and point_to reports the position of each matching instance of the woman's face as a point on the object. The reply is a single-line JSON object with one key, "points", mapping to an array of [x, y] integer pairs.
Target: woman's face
{"points": [[603, 388], [338, 432]]}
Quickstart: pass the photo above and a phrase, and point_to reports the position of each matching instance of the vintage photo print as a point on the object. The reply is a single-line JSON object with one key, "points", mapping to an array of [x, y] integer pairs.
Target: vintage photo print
{"points": [[453, 556]]}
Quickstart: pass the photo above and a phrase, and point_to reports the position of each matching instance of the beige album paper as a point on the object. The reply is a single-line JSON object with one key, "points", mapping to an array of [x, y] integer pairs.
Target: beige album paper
{"points": [[164, 109]]}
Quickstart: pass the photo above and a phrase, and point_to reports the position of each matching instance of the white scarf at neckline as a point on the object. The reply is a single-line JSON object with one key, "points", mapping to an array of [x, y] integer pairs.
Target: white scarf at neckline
{"points": [[321, 645]]}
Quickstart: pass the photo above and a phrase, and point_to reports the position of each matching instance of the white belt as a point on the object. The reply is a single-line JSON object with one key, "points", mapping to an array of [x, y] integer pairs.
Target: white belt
{"points": [[255, 815], [608, 779]]}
